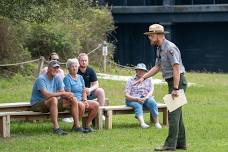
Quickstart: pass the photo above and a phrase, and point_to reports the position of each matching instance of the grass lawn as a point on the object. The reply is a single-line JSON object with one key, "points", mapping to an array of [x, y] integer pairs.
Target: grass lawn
{"points": [[205, 119]]}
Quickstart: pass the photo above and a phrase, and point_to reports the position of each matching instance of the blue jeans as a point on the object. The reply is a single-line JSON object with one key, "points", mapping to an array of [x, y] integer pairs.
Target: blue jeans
{"points": [[150, 103]]}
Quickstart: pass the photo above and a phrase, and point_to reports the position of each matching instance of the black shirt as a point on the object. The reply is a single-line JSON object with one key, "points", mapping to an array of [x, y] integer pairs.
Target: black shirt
{"points": [[89, 76]]}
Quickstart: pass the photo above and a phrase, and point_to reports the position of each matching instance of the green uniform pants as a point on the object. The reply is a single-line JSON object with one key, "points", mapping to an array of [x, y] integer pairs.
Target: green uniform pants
{"points": [[176, 136]]}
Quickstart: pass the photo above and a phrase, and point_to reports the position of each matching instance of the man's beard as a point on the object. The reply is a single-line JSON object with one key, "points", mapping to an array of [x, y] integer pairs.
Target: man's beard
{"points": [[155, 43]]}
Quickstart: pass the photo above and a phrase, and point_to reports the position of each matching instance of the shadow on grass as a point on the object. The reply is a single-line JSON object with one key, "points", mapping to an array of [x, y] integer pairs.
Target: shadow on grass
{"points": [[33, 128], [126, 125]]}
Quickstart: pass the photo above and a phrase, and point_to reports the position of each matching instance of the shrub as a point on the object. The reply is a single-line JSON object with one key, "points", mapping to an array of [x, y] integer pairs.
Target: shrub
{"points": [[11, 48]]}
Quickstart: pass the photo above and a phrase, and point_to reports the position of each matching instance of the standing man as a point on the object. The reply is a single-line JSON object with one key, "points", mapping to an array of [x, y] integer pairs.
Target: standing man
{"points": [[48, 95], [91, 83], [168, 61]]}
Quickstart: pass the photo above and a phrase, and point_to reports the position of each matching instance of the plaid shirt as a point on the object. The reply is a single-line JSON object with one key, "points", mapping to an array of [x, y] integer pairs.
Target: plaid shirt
{"points": [[138, 90]]}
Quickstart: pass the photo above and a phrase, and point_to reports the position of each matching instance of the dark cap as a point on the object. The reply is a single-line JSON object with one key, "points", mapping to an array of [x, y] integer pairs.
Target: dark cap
{"points": [[53, 64]]}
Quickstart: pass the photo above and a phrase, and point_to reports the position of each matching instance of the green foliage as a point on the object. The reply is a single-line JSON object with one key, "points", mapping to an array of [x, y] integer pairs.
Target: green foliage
{"points": [[11, 46], [39, 27], [41, 42], [42, 11]]}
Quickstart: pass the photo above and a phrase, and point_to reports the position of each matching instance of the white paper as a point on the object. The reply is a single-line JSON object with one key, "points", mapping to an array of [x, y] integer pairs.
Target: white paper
{"points": [[173, 104]]}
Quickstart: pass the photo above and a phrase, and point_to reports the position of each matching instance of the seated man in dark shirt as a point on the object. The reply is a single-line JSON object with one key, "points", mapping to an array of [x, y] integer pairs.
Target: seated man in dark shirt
{"points": [[91, 83]]}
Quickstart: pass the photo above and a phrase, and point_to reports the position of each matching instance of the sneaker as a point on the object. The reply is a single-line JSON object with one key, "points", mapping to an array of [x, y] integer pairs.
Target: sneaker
{"points": [[89, 129], [68, 120], [59, 131], [79, 129], [157, 125], [144, 126]]}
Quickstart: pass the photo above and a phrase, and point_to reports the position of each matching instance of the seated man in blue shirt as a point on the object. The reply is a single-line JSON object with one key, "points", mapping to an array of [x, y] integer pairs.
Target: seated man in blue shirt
{"points": [[48, 95]]}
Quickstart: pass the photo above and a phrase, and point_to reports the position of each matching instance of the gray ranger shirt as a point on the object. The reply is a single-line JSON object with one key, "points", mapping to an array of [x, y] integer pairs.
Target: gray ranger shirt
{"points": [[168, 54]]}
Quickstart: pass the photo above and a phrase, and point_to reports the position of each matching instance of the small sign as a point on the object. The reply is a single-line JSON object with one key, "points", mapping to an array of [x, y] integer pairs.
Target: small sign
{"points": [[105, 49]]}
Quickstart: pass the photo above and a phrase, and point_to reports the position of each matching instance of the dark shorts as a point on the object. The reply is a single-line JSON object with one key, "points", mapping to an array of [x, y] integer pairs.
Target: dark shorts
{"points": [[41, 107], [92, 96]]}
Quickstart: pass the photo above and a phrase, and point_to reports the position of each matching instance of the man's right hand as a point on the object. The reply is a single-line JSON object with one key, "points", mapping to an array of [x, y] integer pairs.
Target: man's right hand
{"points": [[68, 95]]}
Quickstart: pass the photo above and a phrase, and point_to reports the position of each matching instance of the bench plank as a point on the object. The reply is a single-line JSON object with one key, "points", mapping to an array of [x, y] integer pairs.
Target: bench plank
{"points": [[17, 106], [123, 109]]}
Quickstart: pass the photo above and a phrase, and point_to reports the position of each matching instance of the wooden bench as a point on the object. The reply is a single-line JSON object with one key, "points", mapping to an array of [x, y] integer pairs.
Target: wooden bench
{"points": [[123, 109], [7, 117], [21, 111]]}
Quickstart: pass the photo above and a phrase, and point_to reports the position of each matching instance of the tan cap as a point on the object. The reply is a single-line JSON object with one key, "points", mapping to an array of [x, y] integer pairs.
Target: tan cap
{"points": [[156, 29]]}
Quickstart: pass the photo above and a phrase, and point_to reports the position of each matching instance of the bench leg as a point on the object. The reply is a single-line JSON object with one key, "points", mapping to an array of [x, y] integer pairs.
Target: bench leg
{"points": [[108, 120], [165, 117], [98, 120], [5, 126]]}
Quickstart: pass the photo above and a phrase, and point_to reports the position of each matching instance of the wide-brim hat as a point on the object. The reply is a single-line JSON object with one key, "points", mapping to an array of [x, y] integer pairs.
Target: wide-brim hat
{"points": [[53, 64], [141, 66], [156, 29]]}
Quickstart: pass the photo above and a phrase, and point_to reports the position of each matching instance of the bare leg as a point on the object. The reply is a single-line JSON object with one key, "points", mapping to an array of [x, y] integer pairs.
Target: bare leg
{"points": [[81, 108], [92, 112], [75, 112], [100, 94], [156, 120], [73, 104], [141, 119], [52, 104]]}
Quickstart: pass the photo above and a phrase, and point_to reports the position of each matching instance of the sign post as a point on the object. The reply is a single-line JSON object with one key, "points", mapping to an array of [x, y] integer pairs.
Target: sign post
{"points": [[104, 53]]}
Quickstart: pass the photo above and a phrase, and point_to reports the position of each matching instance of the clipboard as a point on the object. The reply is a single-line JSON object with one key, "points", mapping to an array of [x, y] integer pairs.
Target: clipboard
{"points": [[177, 102]]}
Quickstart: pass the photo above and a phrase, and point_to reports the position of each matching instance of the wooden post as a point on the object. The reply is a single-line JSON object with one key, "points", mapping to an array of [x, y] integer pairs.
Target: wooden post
{"points": [[108, 119], [98, 119], [5, 126], [40, 65]]}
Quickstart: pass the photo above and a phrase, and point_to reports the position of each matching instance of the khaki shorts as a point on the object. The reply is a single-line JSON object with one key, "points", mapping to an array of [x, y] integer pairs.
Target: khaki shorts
{"points": [[41, 107]]}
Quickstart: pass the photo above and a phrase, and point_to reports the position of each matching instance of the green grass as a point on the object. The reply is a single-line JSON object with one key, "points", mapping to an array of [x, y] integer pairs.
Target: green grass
{"points": [[205, 118]]}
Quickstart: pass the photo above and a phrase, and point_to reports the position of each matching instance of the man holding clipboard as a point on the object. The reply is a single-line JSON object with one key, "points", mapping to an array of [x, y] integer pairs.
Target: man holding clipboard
{"points": [[168, 61]]}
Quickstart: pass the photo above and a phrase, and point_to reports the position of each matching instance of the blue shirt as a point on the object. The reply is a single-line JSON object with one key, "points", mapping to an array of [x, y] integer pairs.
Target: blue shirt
{"points": [[74, 86], [43, 83]]}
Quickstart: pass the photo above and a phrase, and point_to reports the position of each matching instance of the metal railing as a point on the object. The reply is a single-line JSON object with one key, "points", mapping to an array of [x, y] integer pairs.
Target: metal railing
{"points": [[161, 2]]}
